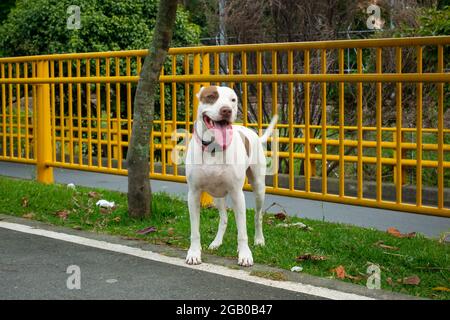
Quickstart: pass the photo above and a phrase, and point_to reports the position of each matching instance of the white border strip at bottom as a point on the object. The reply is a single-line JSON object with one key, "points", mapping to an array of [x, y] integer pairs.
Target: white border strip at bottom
{"points": [[207, 267]]}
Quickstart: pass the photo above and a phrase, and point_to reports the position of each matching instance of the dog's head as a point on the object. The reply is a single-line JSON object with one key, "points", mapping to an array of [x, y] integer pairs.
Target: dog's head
{"points": [[217, 105], [217, 110]]}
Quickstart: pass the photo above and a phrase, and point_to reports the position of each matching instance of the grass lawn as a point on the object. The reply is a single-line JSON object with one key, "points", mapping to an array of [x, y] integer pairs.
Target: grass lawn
{"points": [[354, 248]]}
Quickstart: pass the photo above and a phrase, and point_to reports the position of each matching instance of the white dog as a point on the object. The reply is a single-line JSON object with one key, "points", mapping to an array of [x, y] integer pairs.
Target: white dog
{"points": [[219, 157]]}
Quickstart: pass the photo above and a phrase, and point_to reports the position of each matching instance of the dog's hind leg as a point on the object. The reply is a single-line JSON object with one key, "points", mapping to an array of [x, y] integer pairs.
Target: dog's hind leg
{"points": [[220, 204], [259, 189], [245, 258]]}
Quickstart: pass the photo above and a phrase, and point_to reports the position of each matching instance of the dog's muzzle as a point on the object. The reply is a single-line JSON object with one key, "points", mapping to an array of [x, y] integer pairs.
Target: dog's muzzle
{"points": [[216, 135]]}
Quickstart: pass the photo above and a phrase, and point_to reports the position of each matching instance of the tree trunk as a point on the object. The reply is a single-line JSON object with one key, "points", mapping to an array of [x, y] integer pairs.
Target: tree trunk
{"points": [[139, 191]]}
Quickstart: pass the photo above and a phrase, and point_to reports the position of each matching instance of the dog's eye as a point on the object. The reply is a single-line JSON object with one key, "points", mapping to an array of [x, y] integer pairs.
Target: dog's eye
{"points": [[233, 100]]}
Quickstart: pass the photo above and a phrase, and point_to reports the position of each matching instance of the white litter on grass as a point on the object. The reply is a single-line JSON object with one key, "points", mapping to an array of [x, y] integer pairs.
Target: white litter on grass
{"points": [[296, 224], [71, 186], [105, 204], [296, 269]]}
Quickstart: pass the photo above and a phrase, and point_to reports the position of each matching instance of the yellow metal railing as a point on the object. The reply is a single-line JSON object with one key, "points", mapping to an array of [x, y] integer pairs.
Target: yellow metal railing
{"points": [[75, 111]]}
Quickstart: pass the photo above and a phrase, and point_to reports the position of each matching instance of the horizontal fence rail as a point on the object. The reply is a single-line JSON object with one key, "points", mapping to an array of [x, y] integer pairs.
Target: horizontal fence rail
{"points": [[363, 122]]}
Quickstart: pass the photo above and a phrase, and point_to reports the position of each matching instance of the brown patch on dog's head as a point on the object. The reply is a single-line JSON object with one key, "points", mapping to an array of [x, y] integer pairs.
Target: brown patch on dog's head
{"points": [[208, 95]]}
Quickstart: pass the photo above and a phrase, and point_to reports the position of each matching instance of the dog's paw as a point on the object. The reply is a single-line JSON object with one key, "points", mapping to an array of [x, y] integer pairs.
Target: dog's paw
{"points": [[194, 257], [214, 245], [260, 242], [245, 258]]}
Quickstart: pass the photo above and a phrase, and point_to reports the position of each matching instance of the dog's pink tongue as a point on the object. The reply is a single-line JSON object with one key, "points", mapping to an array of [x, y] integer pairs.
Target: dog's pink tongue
{"points": [[223, 134]]}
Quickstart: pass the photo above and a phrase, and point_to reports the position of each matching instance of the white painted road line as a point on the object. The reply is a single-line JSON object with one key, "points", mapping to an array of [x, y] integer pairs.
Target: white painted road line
{"points": [[207, 267]]}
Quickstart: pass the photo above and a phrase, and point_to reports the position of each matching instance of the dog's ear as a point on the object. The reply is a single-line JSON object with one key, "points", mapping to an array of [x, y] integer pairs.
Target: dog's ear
{"points": [[199, 93]]}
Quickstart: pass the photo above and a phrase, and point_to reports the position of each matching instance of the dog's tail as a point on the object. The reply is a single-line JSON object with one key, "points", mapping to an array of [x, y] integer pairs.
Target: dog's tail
{"points": [[269, 129]]}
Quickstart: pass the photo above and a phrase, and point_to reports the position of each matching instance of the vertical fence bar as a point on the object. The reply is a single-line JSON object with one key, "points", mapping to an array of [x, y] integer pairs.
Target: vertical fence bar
{"points": [[216, 64], [187, 96], [379, 124], [275, 108], [3, 111], [118, 119], [324, 123], [162, 129], [360, 127], [244, 90], [98, 114], [196, 71], [419, 124], [187, 99], [44, 131], [53, 110], [108, 116], [34, 97], [19, 120], [89, 112], [231, 67], [27, 113], [174, 113], [341, 127], [398, 133], [259, 90], [291, 120], [129, 115], [61, 112], [307, 163], [69, 74], [440, 97], [79, 115], [11, 112]]}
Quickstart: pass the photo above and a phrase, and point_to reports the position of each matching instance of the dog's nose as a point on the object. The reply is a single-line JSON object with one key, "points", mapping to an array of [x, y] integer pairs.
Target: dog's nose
{"points": [[225, 112]]}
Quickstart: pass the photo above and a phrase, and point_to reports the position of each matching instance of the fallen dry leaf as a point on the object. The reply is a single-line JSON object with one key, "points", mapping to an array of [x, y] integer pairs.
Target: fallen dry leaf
{"points": [[116, 219], [354, 278], [146, 230], [93, 194], [170, 231], [63, 214], [311, 257], [25, 202], [444, 289], [280, 216], [396, 233], [413, 280], [340, 272], [390, 281], [28, 215], [385, 246], [106, 210]]}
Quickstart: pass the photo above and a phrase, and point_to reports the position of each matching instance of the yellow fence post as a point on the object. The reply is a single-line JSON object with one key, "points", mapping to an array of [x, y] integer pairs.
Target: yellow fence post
{"points": [[201, 66], [44, 132]]}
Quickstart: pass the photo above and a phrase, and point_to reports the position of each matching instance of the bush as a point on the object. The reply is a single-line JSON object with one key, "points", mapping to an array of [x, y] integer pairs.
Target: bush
{"points": [[40, 27]]}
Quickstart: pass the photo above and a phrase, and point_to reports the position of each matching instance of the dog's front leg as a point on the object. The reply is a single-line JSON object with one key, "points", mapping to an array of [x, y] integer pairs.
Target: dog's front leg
{"points": [[245, 258], [195, 251]]}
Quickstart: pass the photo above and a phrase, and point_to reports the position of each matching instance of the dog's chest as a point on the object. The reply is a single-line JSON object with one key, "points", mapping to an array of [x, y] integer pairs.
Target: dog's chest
{"points": [[217, 179]]}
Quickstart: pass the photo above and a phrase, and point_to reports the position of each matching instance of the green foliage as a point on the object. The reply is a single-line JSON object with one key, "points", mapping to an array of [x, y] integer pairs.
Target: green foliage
{"points": [[40, 27], [430, 21], [435, 22], [5, 7]]}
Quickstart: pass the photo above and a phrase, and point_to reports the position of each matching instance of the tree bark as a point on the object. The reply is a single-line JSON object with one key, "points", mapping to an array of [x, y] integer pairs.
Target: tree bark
{"points": [[139, 191]]}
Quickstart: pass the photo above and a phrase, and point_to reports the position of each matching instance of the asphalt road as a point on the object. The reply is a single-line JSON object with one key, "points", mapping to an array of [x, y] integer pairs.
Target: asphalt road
{"points": [[361, 216], [34, 267]]}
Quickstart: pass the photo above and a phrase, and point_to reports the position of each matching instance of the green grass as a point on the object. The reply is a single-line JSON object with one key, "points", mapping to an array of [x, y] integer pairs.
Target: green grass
{"points": [[346, 245]]}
